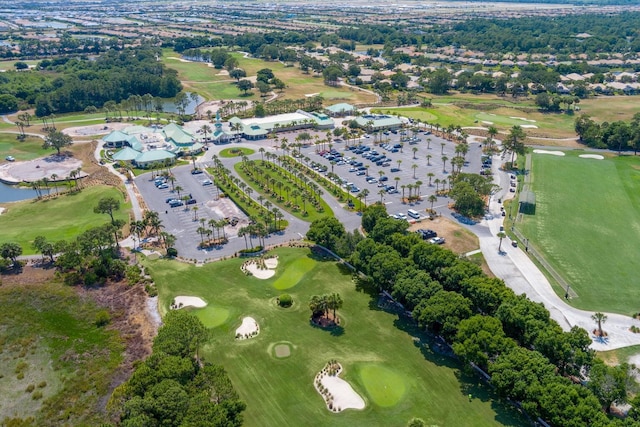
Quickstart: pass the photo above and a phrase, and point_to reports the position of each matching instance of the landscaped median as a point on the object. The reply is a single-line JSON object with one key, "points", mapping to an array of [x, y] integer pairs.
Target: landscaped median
{"points": [[283, 186], [230, 187]]}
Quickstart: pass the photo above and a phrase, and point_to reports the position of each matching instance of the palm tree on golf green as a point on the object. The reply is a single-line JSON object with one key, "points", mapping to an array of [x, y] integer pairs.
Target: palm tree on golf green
{"points": [[599, 318], [501, 235], [334, 302]]}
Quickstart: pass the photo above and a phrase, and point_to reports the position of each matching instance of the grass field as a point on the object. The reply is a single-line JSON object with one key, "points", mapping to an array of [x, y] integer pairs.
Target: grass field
{"points": [[211, 84], [28, 149], [382, 355], [51, 351], [587, 223], [62, 218]]}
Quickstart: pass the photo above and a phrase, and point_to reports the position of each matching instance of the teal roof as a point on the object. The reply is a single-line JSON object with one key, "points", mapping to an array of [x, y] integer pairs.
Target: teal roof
{"points": [[340, 108], [255, 130], [116, 136], [126, 155], [174, 133], [134, 142], [154, 156], [217, 134]]}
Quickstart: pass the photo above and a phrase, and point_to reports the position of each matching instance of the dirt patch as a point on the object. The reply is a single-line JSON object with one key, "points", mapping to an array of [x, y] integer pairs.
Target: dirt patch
{"points": [[458, 239], [282, 351]]}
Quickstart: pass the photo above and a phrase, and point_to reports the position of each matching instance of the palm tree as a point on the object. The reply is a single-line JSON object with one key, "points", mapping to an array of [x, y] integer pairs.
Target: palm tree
{"points": [[415, 150], [433, 198], [501, 235], [429, 159], [414, 167], [444, 163], [430, 175], [206, 129], [428, 143], [381, 193], [399, 162], [442, 144], [599, 318], [418, 184], [334, 302], [396, 179], [365, 193], [403, 188]]}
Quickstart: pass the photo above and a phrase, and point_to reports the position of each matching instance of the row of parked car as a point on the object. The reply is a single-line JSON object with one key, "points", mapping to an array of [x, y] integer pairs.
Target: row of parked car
{"points": [[161, 183]]}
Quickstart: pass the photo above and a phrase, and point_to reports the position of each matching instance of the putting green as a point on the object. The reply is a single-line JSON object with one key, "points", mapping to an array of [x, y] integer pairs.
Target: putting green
{"points": [[294, 273], [212, 316], [384, 386]]}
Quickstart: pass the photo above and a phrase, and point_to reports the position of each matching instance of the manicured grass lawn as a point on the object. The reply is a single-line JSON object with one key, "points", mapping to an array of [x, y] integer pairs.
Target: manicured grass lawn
{"points": [[236, 152], [376, 349], [49, 335], [587, 223], [292, 275], [30, 148], [62, 218]]}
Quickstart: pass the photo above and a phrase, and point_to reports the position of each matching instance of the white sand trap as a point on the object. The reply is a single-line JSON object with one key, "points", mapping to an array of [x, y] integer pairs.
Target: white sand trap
{"points": [[309, 95], [529, 126], [338, 394], [555, 153], [487, 123], [184, 301], [591, 156], [248, 329], [260, 273], [2, 210], [271, 263], [523, 118]]}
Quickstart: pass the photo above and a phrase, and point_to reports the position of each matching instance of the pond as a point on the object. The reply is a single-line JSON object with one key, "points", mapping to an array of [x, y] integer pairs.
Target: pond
{"points": [[13, 193], [170, 106]]}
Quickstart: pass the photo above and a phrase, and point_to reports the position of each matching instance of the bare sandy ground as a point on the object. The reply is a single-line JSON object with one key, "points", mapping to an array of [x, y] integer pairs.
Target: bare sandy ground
{"points": [[555, 153], [262, 273], [44, 167], [529, 126], [95, 129], [187, 301], [591, 156], [248, 329], [341, 395]]}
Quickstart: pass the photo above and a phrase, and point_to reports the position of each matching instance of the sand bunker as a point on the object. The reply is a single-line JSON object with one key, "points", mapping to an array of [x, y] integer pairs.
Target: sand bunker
{"points": [[337, 393], [523, 118], [591, 156], [248, 329], [185, 301], [486, 122], [309, 95], [529, 126], [555, 153], [261, 268]]}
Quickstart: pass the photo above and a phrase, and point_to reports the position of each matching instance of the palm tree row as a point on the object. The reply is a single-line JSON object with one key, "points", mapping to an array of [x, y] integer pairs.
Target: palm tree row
{"points": [[255, 230], [233, 185], [215, 233], [293, 185]]}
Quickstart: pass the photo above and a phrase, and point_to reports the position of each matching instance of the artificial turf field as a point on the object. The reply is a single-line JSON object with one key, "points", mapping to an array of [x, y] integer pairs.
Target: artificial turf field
{"points": [[587, 225], [381, 354]]}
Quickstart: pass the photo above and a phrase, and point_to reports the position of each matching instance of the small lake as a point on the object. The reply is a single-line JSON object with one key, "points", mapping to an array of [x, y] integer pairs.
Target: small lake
{"points": [[13, 193], [170, 106]]}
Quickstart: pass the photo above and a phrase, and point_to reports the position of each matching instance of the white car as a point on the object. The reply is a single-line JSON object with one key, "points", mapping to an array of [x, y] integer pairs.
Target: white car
{"points": [[207, 182], [437, 240], [401, 215], [10, 159]]}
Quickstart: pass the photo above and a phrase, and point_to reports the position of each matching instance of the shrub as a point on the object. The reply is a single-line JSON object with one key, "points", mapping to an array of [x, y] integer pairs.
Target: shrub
{"points": [[30, 388], [251, 250], [172, 252], [102, 318], [42, 384], [285, 300], [37, 395]]}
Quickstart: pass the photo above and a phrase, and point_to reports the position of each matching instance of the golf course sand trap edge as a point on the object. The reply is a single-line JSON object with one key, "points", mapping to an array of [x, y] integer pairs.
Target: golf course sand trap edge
{"points": [[529, 126], [261, 268], [555, 153], [186, 301], [337, 393], [591, 156], [248, 329]]}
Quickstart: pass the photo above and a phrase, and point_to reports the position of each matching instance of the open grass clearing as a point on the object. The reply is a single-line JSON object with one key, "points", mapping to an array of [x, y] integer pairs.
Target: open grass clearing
{"points": [[587, 224], [48, 335], [620, 355], [279, 391], [60, 218], [28, 149]]}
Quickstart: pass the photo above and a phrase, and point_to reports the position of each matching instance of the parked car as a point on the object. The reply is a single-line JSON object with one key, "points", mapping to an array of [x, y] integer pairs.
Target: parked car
{"points": [[10, 159], [196, 171], [395, 169], [163, 186], [191, 202], [360, 173], [176, 203], [426, 233], [383, 178], [436, 240], [207, 182]]}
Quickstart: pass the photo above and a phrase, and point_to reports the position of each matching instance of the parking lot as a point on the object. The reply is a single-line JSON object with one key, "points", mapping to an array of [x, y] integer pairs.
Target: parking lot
{"points": [[182, 220], [393, 166]]}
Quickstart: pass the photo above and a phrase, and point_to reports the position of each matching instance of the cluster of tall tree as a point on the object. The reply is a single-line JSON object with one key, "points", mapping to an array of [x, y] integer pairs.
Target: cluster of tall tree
{"points": [[72, 84], [619, 135], [528, 355], [176, 387]]}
